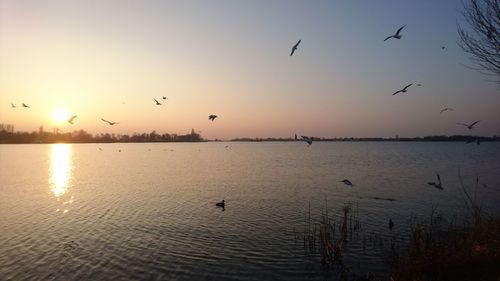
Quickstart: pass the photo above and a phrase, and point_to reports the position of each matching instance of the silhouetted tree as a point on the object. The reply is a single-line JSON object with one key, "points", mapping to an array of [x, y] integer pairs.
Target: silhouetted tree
{"points": [[482, 42]]}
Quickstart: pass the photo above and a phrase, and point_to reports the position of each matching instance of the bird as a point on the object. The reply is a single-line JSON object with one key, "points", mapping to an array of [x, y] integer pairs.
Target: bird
{"points": [[110, 123], [212, 117], [24, 105], [12, 105], [164, 97], [391, 224], [397, 35], [294, 48], [418, 84], [347, 182], [70, 120], [307, 139], [445, 109], [157, 102], [404, 90], [443, 48], [471, 126], [221, 204], [438, 184]]}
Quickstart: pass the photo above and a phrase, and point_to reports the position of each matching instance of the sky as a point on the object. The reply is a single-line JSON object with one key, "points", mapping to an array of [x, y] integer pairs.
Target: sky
{"points": [[109, 59]]}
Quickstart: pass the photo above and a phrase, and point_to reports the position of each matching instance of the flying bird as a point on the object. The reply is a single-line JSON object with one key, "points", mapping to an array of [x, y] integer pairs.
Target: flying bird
{"points": [[397, 35], [12, 105], [471, 126], [294, 48], [212, 117], [438, 184], [70, 120], [157, 102], [443, 48], [347, 182], [307, 139], [110, 123], [24, 105], [445, 109], [404, 90]]}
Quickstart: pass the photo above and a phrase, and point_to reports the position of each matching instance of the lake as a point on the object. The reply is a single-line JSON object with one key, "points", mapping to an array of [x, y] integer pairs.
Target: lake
{"points": [[147, 211]]}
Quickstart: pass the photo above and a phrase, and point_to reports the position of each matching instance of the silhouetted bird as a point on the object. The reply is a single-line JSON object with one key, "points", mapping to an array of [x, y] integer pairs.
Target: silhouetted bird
{"points": [[438, 184], [294, 48], [157, 102], [443, 48], [404, 90], [397, 35], [221, 204], [12, 105], [347, 182], [164, 97], [110, 123], [212, 117], [445, 109], [70, 120], [24, 105], [391, 224], [307, 139], [471, 126]]}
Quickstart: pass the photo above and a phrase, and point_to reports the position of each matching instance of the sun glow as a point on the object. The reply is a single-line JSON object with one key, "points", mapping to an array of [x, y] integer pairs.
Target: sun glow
{"points": [[59, 115]]}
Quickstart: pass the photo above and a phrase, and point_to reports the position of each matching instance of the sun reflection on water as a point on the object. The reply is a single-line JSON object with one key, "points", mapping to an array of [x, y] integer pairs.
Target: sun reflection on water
{"points": [[60, 168]]}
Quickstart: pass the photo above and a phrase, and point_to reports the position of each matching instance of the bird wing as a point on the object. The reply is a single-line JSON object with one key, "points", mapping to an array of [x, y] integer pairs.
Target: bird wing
{"points": [[399, 30], [472, 125], [70, 120], [293, 51], [157, 102], [388, 37], [305, 137], [296, 45], [439, 178], [397, 92], [105, 120], [407, 86]]}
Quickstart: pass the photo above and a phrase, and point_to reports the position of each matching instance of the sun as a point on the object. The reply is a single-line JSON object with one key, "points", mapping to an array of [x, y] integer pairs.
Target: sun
{"points": [[59, 115]]}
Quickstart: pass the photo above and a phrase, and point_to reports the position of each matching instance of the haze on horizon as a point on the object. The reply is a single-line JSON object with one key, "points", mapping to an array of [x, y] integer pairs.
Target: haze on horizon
{"points": [[109, 59]]}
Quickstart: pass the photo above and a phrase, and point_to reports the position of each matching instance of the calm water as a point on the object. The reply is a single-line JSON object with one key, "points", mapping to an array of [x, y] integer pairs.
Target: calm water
{"points": [[89, 211]]}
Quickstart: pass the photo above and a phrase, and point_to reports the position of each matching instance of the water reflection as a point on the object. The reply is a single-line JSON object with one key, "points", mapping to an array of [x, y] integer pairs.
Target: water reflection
{"points": [[60, 168]]}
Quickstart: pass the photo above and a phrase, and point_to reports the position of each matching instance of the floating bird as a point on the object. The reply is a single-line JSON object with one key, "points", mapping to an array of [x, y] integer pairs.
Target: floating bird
{"points": [[307, 139], [437, 185], [221, 204], [110, 123], [12, 105], [212, 117], [164, 97], [157, 102], [24, 105], [471, 126], [347, 182], [397, 35], [391, 224], [404, 90], [445, 109], [294, 48], [70, 120]]}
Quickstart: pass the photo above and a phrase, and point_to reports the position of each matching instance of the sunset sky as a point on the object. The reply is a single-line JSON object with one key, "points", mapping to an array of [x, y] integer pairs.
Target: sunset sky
{"points": [[109, 59]]}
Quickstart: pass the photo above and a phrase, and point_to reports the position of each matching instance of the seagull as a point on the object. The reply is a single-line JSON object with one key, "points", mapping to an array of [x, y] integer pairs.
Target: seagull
{"points": [[307, 139], [212, 117], [24, 105], [445, 109], [164, 97], [437, 185], [70, 120], [12, 105], [391, 224], [471, 126], [157, 102], [221, 204], [294, 48], [397, 35], [110, 123], [347, 182], [404, 90]]}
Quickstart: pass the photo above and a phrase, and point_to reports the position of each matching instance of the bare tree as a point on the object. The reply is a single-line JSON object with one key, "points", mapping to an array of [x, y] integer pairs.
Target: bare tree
{"points": [[482, 39]]}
